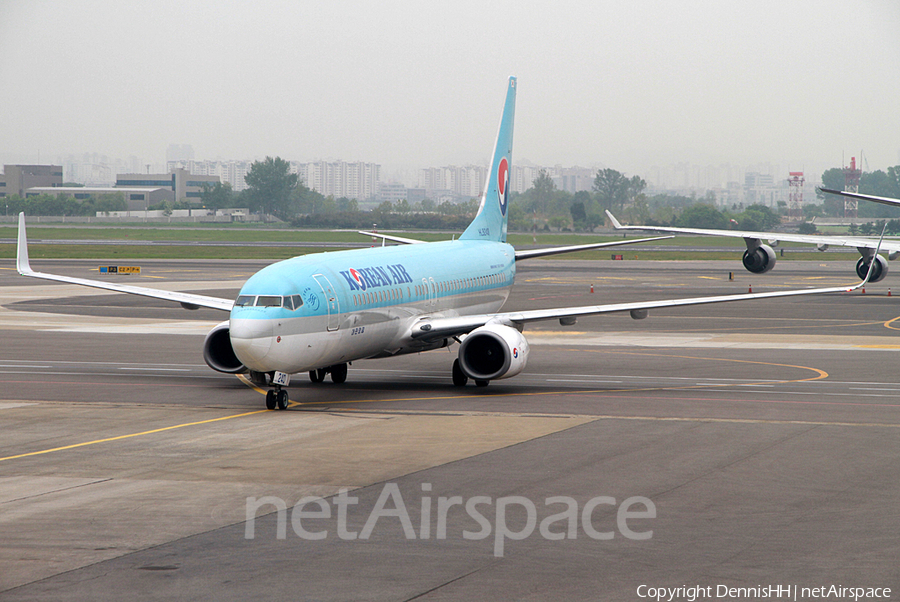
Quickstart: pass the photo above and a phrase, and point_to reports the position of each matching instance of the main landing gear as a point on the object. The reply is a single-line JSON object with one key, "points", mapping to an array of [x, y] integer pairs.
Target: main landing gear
{"points": [[338, 374], [460, 379]]}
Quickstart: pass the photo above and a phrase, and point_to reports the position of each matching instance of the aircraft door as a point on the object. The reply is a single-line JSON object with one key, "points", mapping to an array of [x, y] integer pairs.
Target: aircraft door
{"points": [[331, 302]]}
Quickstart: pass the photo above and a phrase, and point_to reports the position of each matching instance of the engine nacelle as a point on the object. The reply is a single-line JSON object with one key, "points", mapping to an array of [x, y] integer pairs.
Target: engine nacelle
{"points": [[759, 260], [218, 353], [878, 272], [493, 351]]}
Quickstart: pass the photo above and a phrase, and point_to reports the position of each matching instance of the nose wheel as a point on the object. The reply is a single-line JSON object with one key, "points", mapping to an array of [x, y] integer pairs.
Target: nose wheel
{"points": [[277, 398]]}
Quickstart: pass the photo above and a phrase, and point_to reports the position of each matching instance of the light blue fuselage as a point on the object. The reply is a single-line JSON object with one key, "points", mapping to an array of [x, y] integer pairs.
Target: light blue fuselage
{"points": [[362, 303]]}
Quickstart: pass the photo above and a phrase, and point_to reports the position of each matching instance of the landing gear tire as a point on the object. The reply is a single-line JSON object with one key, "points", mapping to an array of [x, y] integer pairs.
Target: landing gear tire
{"points": [[482, 383], [317, 376], [281, 399], [270, 400], [459, 378], [338, 373]]}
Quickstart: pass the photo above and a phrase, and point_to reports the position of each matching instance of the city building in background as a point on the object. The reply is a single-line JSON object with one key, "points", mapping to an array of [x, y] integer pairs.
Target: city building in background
{"points": [[185, 185], [16, 179], [136, 198], [232, 172], [356, 180]]}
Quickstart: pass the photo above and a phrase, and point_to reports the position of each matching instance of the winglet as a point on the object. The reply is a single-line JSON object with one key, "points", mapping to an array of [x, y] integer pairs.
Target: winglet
{"points": [[614, 221], [22, 264]]}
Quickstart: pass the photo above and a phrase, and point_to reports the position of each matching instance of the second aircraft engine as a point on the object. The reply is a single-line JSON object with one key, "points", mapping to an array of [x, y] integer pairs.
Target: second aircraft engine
{"points": [[759, 260], [218, 353], [878, 272]]}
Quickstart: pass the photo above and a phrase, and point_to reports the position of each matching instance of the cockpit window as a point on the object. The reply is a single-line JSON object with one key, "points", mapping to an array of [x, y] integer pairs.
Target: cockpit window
{"points": [[293, 302], [268, 301]]}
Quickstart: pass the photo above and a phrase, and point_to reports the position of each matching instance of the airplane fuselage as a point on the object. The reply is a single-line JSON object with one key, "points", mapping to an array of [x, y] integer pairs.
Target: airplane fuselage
{"points": [[318, 310]]}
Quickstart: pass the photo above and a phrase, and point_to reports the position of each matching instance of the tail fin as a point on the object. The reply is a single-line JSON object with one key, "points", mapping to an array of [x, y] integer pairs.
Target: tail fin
{"points": [[490, 222]]}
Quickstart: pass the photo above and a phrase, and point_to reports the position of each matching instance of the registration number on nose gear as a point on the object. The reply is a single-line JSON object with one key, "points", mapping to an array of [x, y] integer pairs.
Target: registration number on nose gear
{"points": [[281, 378]]}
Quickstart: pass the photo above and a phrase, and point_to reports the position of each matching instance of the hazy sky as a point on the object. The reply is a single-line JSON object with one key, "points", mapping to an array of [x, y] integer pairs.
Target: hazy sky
{"points": [[627, 84]]}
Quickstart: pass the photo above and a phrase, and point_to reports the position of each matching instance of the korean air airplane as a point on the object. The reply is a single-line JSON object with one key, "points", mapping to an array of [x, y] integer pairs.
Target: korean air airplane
{"points": [[317, 313]]}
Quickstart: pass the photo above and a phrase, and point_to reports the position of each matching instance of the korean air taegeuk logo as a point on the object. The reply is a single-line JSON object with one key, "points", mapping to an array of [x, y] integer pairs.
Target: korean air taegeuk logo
{"points": [[503, 184]]}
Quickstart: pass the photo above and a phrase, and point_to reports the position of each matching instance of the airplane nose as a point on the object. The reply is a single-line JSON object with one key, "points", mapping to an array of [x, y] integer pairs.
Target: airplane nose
{"points": [[251, 341]]}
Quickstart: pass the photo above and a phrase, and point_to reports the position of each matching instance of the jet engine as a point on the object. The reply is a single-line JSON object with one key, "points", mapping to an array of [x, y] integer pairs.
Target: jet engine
{"points": [[878, 272], [218, 353], [759, 260], [493, 351]]}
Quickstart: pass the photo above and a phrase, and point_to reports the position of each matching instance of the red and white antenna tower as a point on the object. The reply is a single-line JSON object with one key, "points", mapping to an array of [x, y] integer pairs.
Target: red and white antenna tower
{"points": [[851, 184], [795, 200]]}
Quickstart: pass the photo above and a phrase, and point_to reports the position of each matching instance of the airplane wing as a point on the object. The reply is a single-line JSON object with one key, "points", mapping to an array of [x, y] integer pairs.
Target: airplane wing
{"points": [[822, 242], [573, 248], [187, 300], [400, 239], [433, 328], [864, 197], [531, 252]]}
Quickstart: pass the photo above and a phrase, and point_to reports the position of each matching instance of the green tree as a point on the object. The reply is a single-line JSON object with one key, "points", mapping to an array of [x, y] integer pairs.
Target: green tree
{"points": [[807, 228], [614, 189], [110, 202], [270, 184], [579, 213], [610, 186], [832, 204], [702, 216], [217, 196], [346, 205], [559, 222], [543, 190], [758, 217]]}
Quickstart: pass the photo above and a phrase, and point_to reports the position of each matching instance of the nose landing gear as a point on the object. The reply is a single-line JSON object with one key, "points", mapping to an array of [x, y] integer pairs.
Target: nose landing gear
{"points": [[277, 398]]}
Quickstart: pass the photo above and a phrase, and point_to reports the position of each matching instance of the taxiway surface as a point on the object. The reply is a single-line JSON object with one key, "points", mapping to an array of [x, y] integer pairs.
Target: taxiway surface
{"points": [[764, 435]]}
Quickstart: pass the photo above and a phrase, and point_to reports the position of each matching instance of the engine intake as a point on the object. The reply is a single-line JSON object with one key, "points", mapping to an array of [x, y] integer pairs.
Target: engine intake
{"points": [[878, 272], [759, 260], [218, 353], [492, 352]]}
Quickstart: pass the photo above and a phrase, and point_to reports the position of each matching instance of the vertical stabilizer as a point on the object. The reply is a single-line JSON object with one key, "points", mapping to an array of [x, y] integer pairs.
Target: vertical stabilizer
{"points": [[490, 222]]}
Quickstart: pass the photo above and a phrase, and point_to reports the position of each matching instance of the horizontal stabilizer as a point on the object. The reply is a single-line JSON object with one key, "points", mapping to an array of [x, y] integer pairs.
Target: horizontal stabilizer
{"points": [[400, 239]]}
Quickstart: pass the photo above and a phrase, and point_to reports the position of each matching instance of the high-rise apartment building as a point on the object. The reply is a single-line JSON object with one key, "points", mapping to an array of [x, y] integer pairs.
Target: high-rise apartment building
{"points": [[356, 180]]}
